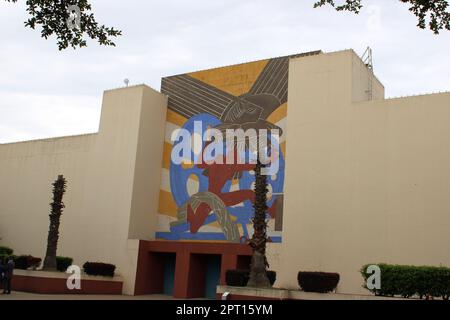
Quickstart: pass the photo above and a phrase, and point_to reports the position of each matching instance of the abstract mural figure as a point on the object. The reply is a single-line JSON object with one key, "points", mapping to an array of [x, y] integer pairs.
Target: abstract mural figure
{"points": [[243, 114], [214, 201], [214, 204]]}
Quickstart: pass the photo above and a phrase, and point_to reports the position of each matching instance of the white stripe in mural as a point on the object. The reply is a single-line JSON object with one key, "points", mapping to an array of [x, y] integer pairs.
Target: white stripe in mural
{"points": [[192, 184], [282, 125]]}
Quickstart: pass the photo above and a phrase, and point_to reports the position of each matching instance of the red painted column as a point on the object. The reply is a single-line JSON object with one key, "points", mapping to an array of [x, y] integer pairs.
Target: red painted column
{"points": [[149, 272], [181, 281], [229, 262], [197, 272], [143, 275]]}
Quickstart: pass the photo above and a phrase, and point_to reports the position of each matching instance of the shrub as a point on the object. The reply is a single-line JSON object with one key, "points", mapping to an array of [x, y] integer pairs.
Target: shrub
{"points": [[62, 263], [5, 257], [321, 282], [6, 251], [34, 262], [408, 281], [99, 269], [26, 262], [236, 278], [21, 262], [239, 278]]}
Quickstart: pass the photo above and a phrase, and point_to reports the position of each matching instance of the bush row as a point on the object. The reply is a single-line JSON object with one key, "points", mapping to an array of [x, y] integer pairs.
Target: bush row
{"points": [[308, 281], [409, 281], [5, 257], [99, 269], [25, 262], [5, 251], [62, 263], [239, 278], [321, 282]]}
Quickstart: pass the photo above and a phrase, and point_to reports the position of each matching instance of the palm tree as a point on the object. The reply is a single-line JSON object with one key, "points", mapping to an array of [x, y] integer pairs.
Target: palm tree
{"points": [[57, 206], [259, 265]]}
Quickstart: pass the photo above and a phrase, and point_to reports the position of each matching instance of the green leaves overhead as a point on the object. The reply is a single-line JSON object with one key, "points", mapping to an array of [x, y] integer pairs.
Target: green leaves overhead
{"points": [[432, 13], [52, 17]]}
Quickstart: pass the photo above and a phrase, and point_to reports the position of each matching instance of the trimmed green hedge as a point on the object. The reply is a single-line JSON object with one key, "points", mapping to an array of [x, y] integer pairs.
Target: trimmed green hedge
{"points": [[25, 262], [62, 263], [240, 277], [5, 257], [99, 269], [321, 282], [409, 281], [236, 278], [5, 251]]}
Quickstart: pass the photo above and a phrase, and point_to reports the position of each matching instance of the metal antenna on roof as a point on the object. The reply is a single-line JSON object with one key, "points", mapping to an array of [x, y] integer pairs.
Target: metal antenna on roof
{"points": [[367, 58]]}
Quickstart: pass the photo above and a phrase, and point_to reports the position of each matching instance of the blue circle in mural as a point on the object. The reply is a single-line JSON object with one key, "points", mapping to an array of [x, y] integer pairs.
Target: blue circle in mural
{"points": [[179, 176]]}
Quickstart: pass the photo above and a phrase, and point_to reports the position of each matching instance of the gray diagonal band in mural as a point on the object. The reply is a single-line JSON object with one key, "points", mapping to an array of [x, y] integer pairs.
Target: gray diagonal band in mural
{"points": [[274, 78], [189, 96]]}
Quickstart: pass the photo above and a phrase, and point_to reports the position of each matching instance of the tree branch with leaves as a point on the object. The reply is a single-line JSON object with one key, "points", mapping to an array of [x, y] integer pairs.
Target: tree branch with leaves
{"points": [[52, 17], [432, 13]]}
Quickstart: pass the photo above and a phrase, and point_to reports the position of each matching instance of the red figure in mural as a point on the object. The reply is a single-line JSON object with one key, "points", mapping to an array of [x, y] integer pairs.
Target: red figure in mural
{"points": [[218, 175]]}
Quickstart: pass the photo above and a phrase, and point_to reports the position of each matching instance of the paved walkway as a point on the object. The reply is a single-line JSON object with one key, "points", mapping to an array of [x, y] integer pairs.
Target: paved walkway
{"points": [[32, 296]]}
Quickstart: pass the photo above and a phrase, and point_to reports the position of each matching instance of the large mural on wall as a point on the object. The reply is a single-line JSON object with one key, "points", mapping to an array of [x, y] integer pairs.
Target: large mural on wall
{"points": [[214, 202]]}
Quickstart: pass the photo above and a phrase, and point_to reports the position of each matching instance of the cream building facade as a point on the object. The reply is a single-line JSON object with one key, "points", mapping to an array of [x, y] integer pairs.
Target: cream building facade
{"points": [[367, 179]]}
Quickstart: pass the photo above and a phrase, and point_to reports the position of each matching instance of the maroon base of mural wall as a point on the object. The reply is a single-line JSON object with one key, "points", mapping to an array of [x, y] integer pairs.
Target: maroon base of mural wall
{"points": [[189, 266], [43, 285]]}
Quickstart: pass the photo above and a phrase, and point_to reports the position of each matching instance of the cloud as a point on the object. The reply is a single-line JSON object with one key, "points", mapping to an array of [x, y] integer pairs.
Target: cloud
{"points": [[33, 116], [45, 92]]}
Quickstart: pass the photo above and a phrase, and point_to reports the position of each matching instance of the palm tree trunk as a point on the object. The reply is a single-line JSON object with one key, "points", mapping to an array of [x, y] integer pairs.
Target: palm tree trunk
{"points": [[59, 188], [258, 268]]}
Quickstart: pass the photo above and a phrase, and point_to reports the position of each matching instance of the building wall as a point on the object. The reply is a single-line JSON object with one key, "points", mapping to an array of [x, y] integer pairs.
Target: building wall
{"points": [[147, 172], [366, 181], [27, 170], [111, 176]]}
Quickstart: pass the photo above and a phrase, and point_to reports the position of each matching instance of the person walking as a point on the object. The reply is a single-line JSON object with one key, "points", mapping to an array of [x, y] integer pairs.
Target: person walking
{"points": [[7, 276], [2, 268]]}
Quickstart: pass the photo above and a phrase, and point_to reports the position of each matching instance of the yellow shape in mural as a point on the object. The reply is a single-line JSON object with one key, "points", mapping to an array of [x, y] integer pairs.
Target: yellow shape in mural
{"points": [[167, 153], [236, 80], [175, 118], [167, 205], [278, 114]]}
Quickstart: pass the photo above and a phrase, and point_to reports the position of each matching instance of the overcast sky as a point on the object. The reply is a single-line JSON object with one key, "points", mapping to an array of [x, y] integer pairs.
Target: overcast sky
{"points": [[45, 92]]}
